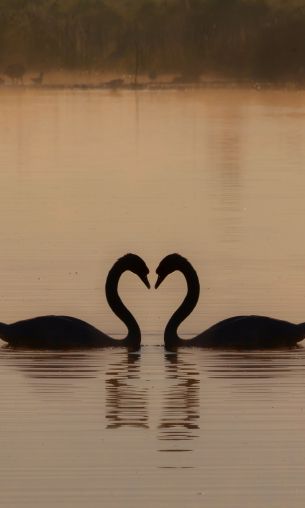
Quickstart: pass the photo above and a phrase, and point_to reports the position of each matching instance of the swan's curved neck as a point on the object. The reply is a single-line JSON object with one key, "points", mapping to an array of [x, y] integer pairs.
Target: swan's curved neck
{"points": [[171, 337], [133, 338]]}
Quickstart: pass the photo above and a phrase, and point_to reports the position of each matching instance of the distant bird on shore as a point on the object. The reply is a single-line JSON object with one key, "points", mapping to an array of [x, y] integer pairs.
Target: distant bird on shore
{"points": [[37, 80], [15, 72]]}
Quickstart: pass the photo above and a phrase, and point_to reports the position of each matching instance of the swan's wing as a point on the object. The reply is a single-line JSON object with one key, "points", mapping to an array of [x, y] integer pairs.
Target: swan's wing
{"points": [[227, 321], [56, 325], [249, 320], [251, 331], [52, 320], [52, 330]]}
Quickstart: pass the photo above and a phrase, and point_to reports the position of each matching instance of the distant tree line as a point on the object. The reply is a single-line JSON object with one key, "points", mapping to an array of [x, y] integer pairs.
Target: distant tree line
{"points": [[235, 38]]}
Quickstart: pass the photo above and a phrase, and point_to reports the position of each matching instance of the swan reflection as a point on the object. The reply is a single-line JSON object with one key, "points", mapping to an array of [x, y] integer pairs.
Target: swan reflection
{"points": [[180, 415], [256, 365], [52, 365], [126, 398]]}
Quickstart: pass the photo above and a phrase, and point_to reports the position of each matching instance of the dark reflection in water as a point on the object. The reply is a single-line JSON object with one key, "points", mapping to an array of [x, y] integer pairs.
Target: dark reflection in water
{"points": [[56, 367], [252, 364], [48, 365], [179, 420], [225, 425], [126, 399]]}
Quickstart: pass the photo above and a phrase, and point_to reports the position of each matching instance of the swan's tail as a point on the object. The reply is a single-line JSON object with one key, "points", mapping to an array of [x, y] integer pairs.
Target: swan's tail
{"points": [[301, 327], [3, 332]]}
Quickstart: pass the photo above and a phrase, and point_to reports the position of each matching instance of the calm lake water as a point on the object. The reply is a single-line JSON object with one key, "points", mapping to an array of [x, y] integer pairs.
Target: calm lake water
{"points": [[87, 176]]}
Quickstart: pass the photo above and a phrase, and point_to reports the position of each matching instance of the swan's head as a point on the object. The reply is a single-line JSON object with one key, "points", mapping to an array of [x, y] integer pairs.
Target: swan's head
{"points": [[135, 264], [168, 265]]}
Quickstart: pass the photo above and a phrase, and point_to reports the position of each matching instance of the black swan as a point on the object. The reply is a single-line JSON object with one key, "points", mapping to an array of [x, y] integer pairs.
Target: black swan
{"points": [[244, 332], [66, 332]]}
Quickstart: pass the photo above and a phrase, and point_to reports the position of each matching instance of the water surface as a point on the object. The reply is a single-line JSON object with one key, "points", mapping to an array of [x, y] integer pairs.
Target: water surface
{"points": [[87, 176]]}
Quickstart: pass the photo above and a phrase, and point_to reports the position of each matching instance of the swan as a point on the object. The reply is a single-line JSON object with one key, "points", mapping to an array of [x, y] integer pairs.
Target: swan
{"points": [[65, 331], [244, 332]]}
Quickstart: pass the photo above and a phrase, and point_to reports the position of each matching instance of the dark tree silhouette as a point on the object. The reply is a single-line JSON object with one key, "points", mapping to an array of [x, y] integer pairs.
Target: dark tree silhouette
{"points": [[234, 38], [15, 72]]}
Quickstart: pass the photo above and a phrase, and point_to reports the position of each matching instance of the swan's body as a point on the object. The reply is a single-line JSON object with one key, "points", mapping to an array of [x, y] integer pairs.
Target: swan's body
{"points": [[252, 332], [55, 331], [67, 332]]}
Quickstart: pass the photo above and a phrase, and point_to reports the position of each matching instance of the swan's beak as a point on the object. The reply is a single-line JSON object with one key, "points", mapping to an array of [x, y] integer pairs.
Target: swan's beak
{"points": [[159, 281], [146, 282]]}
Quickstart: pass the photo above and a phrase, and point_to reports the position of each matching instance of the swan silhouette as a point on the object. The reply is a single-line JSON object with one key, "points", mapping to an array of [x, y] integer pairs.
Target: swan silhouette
{"points": [[67, 332], [244, 332]]}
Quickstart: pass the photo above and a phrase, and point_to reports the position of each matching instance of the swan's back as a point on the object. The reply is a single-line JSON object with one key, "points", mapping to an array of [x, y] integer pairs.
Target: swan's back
{"points": [[250, 332], [52, 331]]}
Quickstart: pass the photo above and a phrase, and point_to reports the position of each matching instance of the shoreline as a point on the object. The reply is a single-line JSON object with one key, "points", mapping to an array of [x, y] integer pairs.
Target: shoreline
{"points": [[159, 86]]}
